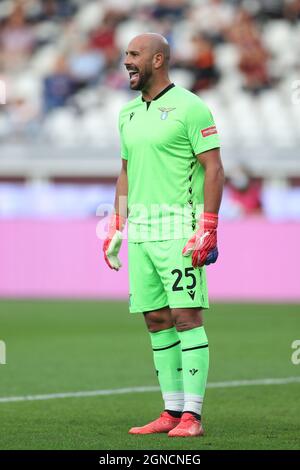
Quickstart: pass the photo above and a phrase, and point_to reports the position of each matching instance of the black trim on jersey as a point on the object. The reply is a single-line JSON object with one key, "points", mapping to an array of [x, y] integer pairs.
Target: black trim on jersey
{"points": [[196, 347], [165, 90], [167, 347]]}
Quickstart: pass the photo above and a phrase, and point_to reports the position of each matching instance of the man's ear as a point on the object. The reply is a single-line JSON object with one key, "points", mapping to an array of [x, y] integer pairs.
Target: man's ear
{"points": [[158, 60]]}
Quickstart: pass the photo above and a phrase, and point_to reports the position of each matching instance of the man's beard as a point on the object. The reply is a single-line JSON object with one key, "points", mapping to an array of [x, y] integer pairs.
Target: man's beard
{"points": [[142, 81]]}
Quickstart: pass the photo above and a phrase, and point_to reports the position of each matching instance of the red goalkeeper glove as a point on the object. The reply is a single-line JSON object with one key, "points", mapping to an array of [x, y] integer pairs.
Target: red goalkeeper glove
{"points": [[113, 241], [203, 244]]}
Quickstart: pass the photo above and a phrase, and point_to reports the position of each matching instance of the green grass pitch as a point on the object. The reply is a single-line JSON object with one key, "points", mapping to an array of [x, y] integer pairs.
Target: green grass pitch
{"points": [[70, 346]]}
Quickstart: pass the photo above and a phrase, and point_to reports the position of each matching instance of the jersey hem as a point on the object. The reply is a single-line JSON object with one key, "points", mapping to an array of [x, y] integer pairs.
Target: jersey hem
{"points": [[181, 305], [147, 309], [187, 305]]}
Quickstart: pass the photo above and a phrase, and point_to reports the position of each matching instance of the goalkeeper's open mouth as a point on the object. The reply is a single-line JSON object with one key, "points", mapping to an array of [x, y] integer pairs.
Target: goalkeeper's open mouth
{"points": [[133, 76]]}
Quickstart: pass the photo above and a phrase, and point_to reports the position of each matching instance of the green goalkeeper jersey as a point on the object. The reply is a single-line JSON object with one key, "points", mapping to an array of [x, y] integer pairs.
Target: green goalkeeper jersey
{"points": [[160, 140]]}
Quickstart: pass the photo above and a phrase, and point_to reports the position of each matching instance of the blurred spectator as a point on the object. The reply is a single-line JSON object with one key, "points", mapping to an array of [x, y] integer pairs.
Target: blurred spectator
{"points": [[54, 9], [213, 18], [103, 38], [169, 9], [268, 9], [253, 65], [253, 57], [215, 46], [23, 118], [58, 86], [86, 65], [243, 192], [17, 41], [203, 63], [243, 29], [292, 10], [49, 10]]}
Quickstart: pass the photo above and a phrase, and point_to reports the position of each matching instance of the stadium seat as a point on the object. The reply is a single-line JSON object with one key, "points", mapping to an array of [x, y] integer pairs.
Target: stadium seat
{"points": [[89, 16], [226, 58], [43, 60], [62, 127], [277, 36]]}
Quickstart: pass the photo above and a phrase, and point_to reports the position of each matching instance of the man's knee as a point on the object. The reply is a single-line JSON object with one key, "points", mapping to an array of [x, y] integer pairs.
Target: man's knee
{"points": [[158, 320], [187, 319], [186, 325]]}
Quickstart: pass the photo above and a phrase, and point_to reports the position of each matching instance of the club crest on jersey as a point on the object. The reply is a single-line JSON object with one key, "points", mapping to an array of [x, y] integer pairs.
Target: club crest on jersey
{"points": [[165, 113]]}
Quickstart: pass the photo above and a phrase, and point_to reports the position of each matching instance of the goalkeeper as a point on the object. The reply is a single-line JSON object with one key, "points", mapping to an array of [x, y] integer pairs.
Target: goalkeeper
{"points": [[170, 187]]}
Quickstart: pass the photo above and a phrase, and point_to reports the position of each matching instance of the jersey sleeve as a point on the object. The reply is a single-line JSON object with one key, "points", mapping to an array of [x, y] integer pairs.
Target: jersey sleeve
{"points": [[124, 151], [201, 128]]}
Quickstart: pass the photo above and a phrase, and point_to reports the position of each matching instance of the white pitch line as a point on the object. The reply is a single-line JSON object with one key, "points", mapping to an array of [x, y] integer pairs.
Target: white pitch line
{"points": [[121, 391], [92, 393]]}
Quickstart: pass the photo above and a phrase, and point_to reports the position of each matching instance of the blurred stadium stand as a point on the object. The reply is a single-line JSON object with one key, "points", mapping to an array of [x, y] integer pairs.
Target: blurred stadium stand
{"points": [[61, 62]]}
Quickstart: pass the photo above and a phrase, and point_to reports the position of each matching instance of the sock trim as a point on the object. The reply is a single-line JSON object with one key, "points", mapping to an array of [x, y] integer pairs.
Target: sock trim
{"points": [[196, 347], [174, 413], [196, 415], [166, 347]]}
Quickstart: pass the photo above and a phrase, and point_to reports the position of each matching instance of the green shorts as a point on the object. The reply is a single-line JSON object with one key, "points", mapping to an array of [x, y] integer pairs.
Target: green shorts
{"points": [[160, 276]]}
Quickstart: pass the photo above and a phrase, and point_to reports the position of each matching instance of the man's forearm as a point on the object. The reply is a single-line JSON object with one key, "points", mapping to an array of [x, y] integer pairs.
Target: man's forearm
{"points": [[121, 196], [117, 221], [213, 189], [202, 246], [213, 179]]}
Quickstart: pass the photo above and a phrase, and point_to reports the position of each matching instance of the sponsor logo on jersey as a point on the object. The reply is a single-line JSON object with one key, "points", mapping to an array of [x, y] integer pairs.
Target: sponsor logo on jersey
{"points": [[131, 116], [165, 112], [209, 131]]}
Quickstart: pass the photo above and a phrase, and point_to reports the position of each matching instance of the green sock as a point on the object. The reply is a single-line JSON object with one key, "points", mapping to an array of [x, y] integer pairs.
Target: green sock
{"points": [[195, 361], [167, 360]]}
